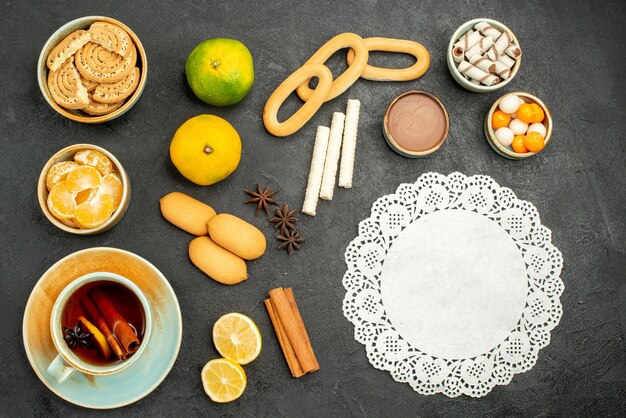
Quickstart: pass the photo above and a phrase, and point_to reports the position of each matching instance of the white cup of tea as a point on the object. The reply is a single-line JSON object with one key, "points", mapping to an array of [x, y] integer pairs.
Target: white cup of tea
{"points": [[67, 362]]}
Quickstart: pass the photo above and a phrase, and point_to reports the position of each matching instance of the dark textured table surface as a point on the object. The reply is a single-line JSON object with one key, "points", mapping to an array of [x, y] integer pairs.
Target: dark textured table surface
{"points": [[574, 59]]}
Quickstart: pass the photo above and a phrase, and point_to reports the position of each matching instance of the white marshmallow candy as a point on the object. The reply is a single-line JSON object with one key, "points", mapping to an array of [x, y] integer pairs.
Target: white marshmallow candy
{"points": [[537, 127], [505, 136], [509, 103], [518, 127]]}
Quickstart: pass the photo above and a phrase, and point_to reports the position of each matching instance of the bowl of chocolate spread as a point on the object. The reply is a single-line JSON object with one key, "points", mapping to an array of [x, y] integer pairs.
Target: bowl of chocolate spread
{"points": [[416, 124]]}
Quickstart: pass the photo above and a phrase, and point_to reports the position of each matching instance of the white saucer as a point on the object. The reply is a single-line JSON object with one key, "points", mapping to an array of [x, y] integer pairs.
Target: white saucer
{"points": [[138, 380]]}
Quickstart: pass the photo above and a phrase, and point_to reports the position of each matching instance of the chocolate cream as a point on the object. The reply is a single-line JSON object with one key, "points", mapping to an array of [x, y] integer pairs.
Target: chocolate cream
{"points": [[417, 122]]}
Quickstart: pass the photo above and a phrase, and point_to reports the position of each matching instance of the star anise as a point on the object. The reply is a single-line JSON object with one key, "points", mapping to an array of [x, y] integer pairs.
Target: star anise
{"points": [[290, 240], [262, 198], [284, 219], [76, 336]]}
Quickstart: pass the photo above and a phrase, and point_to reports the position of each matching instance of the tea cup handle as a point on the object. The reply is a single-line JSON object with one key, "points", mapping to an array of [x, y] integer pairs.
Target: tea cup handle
{"points": [[60, 370]]}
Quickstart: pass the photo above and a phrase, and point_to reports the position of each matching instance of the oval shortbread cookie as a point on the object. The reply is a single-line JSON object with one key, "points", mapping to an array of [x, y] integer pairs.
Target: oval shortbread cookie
{"points": [[114, 92], [111, 37], [66, 48], [66, 88], [97, 64]]}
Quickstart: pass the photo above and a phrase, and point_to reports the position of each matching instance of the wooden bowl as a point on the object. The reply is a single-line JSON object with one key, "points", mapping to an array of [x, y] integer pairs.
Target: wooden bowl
{"points": [[456, 74], [507, 152], [67, 154], [84, 23]]}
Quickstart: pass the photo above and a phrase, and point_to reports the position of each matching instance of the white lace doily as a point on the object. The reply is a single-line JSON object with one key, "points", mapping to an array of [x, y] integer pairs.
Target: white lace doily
{"points": [[453, 284]]}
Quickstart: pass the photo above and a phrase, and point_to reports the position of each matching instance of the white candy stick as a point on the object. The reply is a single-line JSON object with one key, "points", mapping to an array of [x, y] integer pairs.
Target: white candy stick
{"points": [[488, 30], [498, 48], [348, 149], [506, 60], [476, 73], [502, 70], [315, 172], [481, 46], [332, 156], [483, 63], [513, 51], [468, 40]]}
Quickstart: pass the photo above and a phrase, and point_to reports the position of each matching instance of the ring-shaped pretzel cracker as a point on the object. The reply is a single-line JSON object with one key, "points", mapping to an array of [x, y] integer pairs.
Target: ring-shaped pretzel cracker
{"points": [[308, 109], [394, 45], [96, 63], [352, 73]]}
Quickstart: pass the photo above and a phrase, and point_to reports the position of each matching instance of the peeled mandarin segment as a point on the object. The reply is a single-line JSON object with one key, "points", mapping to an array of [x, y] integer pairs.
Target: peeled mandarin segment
{"points": [[237, 338], [98, 337], [61, 201], [111, 37], [69, 222], [66, 88], [308, 109], [119, 91], [59, 172], [94, 213], [112, 185], [352, 73], [223, 380], [97, 64], [83, 177], [96, 159], [85, 196], [66, 48], [394, 45], [97, 109]]}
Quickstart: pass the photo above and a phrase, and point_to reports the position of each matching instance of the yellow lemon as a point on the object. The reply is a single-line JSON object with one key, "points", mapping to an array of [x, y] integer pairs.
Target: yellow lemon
{"points": [[223, 380], [220, 71], [206, 149], [237, 338]]}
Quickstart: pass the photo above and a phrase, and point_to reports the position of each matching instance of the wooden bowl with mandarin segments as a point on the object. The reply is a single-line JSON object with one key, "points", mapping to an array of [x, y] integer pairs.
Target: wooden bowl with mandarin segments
{"points": [[67, 154], [507, 152], [84, 23], [456, 74]]}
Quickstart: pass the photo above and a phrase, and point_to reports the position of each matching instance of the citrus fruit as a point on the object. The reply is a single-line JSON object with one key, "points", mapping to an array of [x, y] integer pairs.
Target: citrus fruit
{"points": [[237, 338], [206, 149], [526, 113], [82, 178], [518, 144], [95, 159], [95, 212], [500, 119], [61, 201], [220, 71], [85, 196], [223, 380], [97, 336], [534, 142], [538, 113], [59, 172], [111, 184]]}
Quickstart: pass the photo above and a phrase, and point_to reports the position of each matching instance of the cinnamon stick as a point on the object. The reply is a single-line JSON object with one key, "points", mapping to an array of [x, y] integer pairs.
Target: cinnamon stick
{"points": [[296, 312], [294, 329], [96, 317], [122, 331], [283, 341]]}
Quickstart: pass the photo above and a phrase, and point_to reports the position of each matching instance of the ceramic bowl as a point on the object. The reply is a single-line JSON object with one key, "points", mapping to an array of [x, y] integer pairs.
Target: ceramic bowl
{"points": [[66, 154], [452, 65], [507, 152], [84, 23]]}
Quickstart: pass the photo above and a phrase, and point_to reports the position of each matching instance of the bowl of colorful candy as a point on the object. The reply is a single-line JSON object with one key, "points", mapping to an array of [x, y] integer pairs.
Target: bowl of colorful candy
{"points": [[518, 125]]}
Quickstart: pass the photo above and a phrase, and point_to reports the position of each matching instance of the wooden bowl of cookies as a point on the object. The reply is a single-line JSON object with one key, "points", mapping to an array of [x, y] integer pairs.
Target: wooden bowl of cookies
{"points": [[83, 189], [92, 69]]}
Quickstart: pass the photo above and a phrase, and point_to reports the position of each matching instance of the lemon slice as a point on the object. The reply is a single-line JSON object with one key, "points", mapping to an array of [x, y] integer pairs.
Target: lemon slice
{"points": [[223, 380], [237, 338]]}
